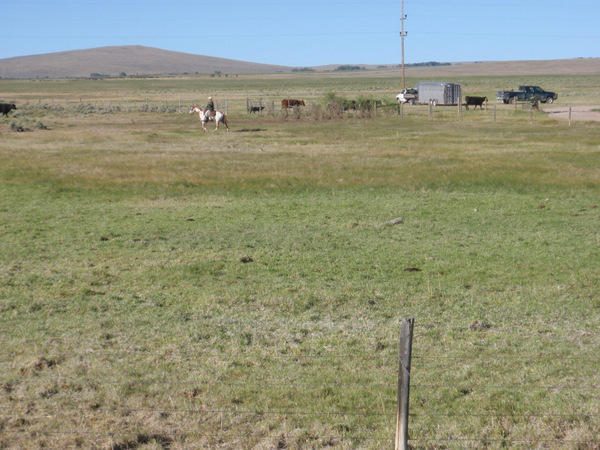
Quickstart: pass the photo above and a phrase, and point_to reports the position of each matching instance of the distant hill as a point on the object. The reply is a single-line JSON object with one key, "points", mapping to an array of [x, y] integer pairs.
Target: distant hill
{"points": [[574, 66], [139, 60], [128, 59]]}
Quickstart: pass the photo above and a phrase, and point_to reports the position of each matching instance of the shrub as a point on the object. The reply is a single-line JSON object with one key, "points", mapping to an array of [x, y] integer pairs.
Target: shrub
{"points": [[159, 108], [348, 67], [88, 108], [16, 126], [334, 105]]}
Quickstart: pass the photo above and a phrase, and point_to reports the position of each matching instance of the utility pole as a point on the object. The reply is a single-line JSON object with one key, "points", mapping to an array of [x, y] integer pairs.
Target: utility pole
{"points": [[402, 35]]}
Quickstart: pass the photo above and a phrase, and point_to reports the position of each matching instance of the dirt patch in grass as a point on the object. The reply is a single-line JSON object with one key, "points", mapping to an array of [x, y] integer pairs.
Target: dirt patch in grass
{"points": [[578, 113]]}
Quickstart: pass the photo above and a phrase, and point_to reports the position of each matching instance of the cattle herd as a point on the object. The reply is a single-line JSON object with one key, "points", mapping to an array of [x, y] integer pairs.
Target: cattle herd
{"points": [[5, 108], [291, 103]]}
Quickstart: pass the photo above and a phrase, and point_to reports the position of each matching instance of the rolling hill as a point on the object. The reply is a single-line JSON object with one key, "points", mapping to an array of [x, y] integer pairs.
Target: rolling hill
{"points": [[140, 60], [128, 59]]}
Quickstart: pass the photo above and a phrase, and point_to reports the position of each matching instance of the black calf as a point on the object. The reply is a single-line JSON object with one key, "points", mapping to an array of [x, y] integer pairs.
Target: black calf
{"points": [[6, 107], [475, 101]]}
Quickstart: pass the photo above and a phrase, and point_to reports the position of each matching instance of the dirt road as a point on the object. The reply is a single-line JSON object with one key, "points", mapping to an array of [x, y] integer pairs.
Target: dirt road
{"points": [[578, 113]]}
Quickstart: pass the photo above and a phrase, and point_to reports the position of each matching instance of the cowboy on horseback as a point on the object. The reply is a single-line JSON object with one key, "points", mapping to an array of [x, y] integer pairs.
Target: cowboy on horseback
{"points": [[210, 107], [206, 115]]}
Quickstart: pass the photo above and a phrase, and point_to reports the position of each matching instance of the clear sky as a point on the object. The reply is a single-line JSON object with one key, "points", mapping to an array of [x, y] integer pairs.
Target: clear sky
{"points": [[310, 32]]}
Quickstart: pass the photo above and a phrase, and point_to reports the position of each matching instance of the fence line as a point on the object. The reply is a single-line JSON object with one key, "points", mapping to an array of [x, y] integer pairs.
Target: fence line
{"points": [[263, 412], [188, 434], [474, 327], [468, 388], [548, 356], [181, 105], [230, 411], [342, 438], [504, 440], [576, 384], [266, 411], [298, 384], [203, 383]]}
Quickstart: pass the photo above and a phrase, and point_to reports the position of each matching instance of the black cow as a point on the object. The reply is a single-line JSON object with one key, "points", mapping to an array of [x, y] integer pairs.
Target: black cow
{"points": [[255, 109], [6, 107], [476, 101]]}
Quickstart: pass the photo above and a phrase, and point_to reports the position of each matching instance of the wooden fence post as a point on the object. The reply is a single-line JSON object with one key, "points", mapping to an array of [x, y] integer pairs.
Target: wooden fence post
{"points": [[406, 333], [531, 113]]}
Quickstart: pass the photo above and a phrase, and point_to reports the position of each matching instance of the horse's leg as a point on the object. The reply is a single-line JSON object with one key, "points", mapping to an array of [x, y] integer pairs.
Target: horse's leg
{"points": [[225, 122], [201, 121], [204, 126]]}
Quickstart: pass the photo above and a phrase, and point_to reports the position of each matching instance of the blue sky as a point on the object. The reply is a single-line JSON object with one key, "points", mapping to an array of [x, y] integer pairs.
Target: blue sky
{"points": [[310, 32]]}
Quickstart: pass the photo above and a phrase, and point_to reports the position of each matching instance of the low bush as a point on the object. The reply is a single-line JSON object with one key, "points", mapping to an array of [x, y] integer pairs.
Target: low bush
{"points": [[16, 125]]}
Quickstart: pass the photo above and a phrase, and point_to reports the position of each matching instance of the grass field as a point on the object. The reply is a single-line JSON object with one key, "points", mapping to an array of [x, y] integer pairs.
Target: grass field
{"points": [[161, 287]]}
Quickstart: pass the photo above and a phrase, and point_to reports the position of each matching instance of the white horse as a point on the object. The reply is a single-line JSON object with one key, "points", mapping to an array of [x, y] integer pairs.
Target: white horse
{"points": [[206, 116]]}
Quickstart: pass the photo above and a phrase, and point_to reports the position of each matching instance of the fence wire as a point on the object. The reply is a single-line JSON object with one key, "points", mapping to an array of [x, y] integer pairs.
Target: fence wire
{"points": [[422, 434]]}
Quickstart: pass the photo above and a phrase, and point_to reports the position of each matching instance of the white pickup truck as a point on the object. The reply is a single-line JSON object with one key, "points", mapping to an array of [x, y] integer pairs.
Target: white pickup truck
{"points": [[408, 96]]}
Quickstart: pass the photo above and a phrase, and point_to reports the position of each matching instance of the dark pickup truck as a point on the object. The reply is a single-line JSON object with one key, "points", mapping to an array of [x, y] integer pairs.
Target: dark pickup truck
{"points": [[527, 93]]}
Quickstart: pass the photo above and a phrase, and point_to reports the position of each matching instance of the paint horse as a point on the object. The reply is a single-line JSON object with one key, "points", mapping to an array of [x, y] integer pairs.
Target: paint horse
{"points": [[205, 116]]}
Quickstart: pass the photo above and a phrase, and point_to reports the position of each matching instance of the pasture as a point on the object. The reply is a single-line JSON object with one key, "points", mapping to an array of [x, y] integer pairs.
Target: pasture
{"points": [[161, 287]]}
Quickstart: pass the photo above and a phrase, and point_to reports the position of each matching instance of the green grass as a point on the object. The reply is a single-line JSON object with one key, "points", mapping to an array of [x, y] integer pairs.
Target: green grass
{"points": [[164, 287]]}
